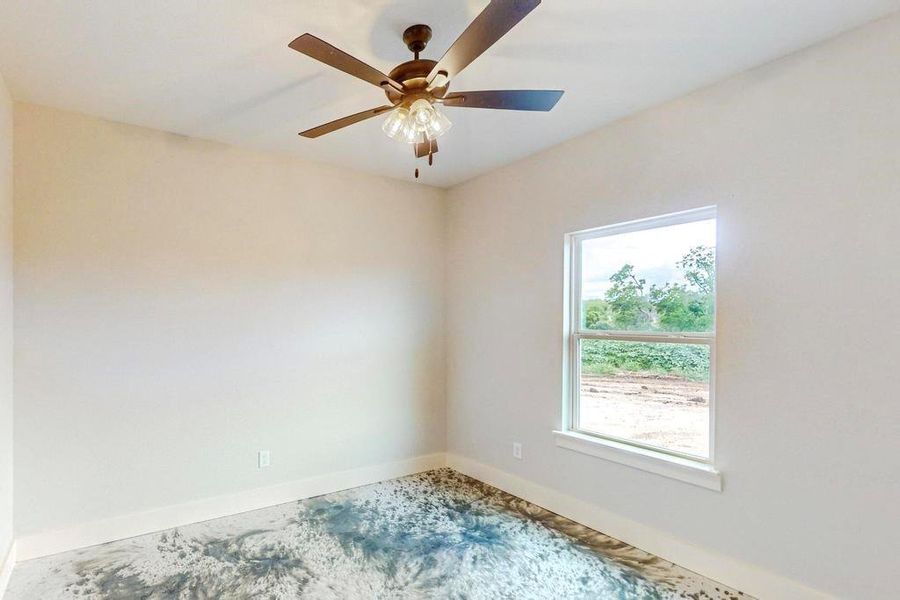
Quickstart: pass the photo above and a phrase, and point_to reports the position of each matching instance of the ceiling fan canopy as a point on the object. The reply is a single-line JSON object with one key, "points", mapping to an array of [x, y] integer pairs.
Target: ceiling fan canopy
{"points": [[415, 89]]}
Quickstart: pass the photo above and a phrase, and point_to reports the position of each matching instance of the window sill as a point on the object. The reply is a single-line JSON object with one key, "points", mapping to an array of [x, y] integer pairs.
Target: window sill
{"points": [[683, 469]]}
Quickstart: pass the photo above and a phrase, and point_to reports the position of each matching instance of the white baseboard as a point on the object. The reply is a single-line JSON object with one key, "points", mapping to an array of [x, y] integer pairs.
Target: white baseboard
{"points": [[131, 525], [6, 567], [739, 575]]}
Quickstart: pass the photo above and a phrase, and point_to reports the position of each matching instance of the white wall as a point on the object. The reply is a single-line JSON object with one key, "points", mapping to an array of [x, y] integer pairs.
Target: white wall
{"points": [[802, 157], [181, 304], [6, 322]]}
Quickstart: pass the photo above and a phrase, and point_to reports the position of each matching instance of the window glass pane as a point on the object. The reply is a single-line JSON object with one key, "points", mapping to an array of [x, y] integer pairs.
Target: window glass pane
{"points": [[653, 393], [660, 279]]}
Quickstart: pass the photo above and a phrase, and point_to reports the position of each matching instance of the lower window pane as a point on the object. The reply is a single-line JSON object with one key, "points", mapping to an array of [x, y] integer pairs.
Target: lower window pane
{"points": [[651, 393]]}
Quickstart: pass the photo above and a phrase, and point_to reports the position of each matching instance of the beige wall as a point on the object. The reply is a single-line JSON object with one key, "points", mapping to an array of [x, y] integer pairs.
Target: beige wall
{"points": [[6, 321], [182, 304], [802, 157]]}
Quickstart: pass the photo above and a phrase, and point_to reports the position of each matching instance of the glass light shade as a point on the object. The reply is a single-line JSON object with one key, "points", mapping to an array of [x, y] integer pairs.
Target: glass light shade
{"points": [[438, 125], [393, 125], [420, 121], [422, 112], [410, 132]]}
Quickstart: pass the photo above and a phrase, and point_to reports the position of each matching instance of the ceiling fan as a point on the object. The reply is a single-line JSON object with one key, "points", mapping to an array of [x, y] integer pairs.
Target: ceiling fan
{"points": [[416, 88]]}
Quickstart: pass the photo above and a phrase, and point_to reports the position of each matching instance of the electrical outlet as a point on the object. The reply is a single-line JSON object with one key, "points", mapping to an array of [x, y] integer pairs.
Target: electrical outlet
{"points": [[517, 450], [264, 459]]}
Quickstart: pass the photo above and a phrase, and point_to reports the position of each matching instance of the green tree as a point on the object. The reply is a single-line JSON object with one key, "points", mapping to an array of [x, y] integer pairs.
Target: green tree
{"points": [[629, 307], [681, 309], [596, 314], [688, 307], [699, 267]]}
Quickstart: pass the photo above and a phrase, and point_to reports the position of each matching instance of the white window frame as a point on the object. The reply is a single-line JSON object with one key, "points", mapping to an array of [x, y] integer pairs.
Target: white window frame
{"points": [[686, 467]]}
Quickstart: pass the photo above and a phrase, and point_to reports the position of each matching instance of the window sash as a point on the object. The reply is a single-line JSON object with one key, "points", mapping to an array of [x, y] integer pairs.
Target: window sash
{"points": [[575, 255], [573, 422], [662, 337]]}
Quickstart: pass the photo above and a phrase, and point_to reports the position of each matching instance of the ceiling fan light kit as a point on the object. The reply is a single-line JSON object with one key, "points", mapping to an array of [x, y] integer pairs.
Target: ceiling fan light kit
{"points": [[417, 88], [419, 122]]}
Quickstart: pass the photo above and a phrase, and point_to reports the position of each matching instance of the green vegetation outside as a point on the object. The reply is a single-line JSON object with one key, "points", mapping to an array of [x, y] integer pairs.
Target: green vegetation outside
{"points": [[630, 305]]}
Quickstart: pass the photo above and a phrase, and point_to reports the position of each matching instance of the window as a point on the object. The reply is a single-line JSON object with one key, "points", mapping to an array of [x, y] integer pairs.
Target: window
{"points": [[641, 335]]}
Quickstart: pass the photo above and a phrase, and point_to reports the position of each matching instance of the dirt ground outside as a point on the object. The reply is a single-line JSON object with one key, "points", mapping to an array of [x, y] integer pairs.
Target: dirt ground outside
{"points": [[659, 410]]}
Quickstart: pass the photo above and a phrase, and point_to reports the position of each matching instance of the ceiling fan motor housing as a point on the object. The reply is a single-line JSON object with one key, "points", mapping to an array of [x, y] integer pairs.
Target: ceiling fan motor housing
{"points": [[413, 75]]}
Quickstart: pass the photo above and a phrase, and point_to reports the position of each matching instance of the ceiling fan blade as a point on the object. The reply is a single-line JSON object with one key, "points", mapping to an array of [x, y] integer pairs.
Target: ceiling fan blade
{"points": [[540, 100], [425, 148], [344, 122], [322, 51], [492, 24]]}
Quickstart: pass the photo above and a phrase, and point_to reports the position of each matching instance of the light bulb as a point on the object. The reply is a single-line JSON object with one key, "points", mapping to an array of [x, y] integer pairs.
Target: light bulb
{"points": [[438, 125], [422, 112], [393, 125]]}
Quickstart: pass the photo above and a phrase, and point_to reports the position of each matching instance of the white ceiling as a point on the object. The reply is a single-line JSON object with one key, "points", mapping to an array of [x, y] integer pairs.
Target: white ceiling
{"points": [[221, 69]]}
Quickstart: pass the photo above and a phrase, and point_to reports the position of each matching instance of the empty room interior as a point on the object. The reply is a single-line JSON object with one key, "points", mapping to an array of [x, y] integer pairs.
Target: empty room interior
{"points": [[450, 299]]}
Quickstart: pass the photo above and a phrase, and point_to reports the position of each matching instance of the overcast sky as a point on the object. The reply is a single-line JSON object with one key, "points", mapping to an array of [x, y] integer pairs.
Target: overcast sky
{"points": [[653, 253]]}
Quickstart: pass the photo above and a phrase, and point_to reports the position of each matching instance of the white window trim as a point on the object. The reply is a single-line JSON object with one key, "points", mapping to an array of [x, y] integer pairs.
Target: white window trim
{"points": [[652, 461], [683, 467]]}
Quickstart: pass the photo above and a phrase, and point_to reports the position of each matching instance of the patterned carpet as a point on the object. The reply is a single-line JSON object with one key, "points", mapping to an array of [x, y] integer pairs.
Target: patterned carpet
{"points": [[433, 535]]}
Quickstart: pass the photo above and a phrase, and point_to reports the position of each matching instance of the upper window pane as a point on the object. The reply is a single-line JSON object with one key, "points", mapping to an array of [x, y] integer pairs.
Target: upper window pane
{"points": [[661, 279]]}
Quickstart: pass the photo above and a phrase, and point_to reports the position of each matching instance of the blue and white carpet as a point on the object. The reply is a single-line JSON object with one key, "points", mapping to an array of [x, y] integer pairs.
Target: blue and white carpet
{"points": [[433, 535]]}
